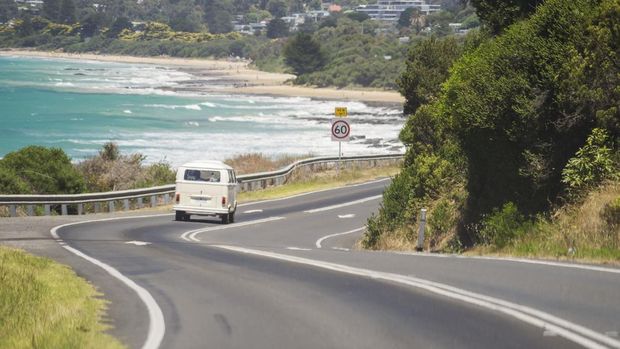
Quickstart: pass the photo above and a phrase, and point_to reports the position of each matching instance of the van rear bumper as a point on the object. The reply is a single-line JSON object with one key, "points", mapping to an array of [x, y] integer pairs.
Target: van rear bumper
{"points": [[203, 211]]}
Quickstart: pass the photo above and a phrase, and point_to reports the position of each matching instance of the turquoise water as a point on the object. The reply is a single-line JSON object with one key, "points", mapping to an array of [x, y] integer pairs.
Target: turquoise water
{"points": [[80, 105]]}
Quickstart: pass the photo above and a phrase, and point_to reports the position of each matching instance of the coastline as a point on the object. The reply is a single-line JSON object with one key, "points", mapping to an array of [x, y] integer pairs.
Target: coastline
{"points": [[243, 79]]}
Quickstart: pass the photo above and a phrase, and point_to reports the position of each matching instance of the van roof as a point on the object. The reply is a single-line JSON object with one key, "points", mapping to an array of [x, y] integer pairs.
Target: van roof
{"points": [[209, 164]]}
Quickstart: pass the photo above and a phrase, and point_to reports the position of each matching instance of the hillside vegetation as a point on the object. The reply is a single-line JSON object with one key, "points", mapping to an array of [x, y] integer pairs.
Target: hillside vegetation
{"points": [[525, 125]]}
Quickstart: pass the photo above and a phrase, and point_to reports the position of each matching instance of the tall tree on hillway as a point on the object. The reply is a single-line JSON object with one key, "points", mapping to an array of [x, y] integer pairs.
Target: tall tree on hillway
{"points": [[67, 12], [51, 10], [8, 10], [304, 54], [218, 15], [277, 28], [497, 15]]}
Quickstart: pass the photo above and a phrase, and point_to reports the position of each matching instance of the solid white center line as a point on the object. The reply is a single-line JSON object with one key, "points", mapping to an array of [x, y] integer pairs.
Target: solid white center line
{"points": [[191, 235], [345, 204], [319, 241], [574, 332], [253, 211], [343, 216]]}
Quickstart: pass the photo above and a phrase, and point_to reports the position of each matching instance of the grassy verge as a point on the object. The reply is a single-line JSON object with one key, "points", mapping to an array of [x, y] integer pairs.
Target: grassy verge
{"points": [[588, 231], [44, 304], [320, 181]]}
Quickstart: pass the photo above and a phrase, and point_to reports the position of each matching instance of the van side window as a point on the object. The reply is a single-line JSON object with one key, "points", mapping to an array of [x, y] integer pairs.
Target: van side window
{"points": [[231, 177], [202, 175]]}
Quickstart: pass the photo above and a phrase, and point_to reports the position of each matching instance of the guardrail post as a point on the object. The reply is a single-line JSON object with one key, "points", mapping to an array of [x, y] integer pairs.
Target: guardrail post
{"points": [[47, 210], [140, 203], [63, 209], [126, 204], [13, 210], [420, 246], [153, 200], [166, 199], [80, 209], [97, 207], [111, 206], [30, 210]]}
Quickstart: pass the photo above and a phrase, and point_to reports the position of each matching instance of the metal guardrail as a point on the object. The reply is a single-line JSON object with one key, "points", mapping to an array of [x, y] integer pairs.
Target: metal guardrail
{"points": [[163, 195]]}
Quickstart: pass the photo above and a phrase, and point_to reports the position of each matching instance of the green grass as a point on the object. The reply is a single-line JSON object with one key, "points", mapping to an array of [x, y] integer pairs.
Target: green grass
{"points": [[44, 304], [320, 181]]}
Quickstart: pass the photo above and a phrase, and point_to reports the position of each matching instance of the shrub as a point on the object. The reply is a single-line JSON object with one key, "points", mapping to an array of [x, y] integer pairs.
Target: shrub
{"points": [[501, 226], [611, 214], [592, 164], [42, 170]]}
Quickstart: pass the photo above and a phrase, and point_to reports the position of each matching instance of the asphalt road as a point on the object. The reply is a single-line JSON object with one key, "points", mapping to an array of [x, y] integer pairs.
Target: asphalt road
{"points": [[286, 275]]}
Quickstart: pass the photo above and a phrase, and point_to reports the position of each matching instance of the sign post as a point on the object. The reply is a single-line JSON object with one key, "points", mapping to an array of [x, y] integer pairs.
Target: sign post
{"points": [[341, 129]]}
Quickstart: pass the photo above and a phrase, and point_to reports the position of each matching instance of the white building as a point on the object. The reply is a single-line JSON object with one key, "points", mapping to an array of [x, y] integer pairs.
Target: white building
{"points": [[390, 10]]}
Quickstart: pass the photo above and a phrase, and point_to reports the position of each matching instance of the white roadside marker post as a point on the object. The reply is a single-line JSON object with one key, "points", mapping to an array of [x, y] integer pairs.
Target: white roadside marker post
{"points": [[420, 246]]}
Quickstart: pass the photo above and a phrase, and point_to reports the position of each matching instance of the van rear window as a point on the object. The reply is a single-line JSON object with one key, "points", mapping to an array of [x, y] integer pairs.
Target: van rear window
{"points": [[202, 175]]}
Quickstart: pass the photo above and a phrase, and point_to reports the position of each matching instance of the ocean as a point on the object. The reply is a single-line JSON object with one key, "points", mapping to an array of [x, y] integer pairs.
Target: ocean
{"points": [[148, 109]]}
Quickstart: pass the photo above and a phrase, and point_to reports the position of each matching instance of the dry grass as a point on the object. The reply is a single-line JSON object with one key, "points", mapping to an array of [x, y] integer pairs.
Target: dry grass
{"points": [[576, 231], [46, 305], [319, 181], [257, 162]]}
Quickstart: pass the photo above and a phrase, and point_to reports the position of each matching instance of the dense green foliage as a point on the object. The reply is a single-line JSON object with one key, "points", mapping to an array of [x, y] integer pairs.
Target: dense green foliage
{"points": [[510, 117], [498, 15], [304, 54], [39, 170]]}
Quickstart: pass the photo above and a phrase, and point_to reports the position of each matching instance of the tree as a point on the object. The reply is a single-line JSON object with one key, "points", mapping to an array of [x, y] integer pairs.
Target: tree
{"points": [[118, 26], [8, 10], [184, 15], [91, 24], [51, 10], [25, 28], [277, 28], [426, 69], [67, 12], [277, 8], [41, 170], [218, 15], [404, 21], [358, 16], [497, 15], [304, 54]]}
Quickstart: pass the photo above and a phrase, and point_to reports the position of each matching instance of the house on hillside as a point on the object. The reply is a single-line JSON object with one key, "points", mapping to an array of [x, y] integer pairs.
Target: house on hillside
{"points": [[390, 10]]}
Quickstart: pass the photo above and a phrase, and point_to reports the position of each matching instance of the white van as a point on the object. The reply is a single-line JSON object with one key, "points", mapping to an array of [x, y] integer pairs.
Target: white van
{"points": [[206, 188]]}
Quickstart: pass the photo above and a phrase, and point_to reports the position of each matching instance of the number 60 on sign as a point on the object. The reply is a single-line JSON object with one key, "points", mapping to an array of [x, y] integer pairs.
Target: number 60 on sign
{"points": [[340, 130]]}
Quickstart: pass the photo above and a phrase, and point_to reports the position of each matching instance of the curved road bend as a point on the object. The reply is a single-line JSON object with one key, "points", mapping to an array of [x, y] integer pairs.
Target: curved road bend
{"points": [[285, 276]]}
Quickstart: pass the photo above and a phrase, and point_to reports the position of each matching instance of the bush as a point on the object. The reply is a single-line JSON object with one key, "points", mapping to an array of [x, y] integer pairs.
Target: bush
{"points": [[502, 226], [40, 170], [592, 164], [611, 214]]}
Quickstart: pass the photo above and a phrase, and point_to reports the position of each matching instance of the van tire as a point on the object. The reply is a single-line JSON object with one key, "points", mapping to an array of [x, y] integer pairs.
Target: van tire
{"points": [[225, 218], [231, 217], [180, 216]]}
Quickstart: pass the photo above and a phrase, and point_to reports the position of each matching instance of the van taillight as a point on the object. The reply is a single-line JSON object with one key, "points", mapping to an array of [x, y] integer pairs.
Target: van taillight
{"points": [[223, 201], [177, 198]]}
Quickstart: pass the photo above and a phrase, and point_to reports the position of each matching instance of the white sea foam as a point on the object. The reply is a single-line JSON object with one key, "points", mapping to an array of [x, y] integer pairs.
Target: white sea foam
{"points": [[127, 111], [192, 123]]}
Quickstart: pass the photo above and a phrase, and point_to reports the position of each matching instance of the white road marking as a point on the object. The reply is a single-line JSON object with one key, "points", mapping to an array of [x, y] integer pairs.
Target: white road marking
{"points": [[345, 204], [344, 216], [253, 211], [571, 331], [292, 248], [319, 241], [138, 243], [517, 260], [341, 249], [191, 235], [157, 326]]}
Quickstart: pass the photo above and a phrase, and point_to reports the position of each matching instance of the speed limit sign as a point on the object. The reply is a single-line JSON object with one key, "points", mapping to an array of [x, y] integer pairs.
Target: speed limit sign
{"points": [[340, 130]]}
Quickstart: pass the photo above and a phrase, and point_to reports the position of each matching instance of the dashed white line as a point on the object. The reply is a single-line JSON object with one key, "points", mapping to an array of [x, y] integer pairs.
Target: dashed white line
{"points": [[345, 216], [138, 243], [327, 208], [253, 211], [319, 241], [293, 248], [571, 331]]}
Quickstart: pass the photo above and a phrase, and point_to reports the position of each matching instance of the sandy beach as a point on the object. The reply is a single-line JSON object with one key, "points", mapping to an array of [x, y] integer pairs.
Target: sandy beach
{"points": [[241, 77]]}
